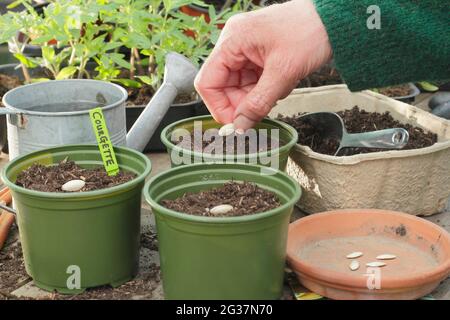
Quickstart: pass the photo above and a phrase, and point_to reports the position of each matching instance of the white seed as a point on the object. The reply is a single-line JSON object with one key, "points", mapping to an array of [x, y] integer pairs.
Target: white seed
{"points": [[386, 256], [73, 185], [354, 265], [221, 209], [375, 264], [226, 130], [354, 255]]}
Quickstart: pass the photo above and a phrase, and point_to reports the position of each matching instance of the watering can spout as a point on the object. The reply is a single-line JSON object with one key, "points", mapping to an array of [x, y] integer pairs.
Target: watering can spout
{"points": [[179, 75]]}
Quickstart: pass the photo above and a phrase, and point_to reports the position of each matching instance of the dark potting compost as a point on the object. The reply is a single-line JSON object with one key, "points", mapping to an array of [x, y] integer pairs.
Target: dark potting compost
{"points": [[357, 120], [51, 178], [143, 95], [7, 83], [246, 198], [395, 91], [230, 144]]}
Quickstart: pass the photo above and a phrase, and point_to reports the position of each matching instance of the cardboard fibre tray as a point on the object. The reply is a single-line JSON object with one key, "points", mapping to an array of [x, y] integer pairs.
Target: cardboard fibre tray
{"points": [[411, 181]]}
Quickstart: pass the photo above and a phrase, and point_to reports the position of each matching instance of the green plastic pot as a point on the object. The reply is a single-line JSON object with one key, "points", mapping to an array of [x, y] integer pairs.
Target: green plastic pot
{"points": [[221, 257], [288, 137], [95, 231]]}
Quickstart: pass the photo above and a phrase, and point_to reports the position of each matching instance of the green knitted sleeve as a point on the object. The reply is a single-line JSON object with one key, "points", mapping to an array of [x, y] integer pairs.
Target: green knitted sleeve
{"points": [[411, 44]]}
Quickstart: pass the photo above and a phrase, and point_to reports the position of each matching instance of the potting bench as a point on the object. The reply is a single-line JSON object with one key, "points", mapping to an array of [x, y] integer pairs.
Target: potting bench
{"points": [[14, 283]]}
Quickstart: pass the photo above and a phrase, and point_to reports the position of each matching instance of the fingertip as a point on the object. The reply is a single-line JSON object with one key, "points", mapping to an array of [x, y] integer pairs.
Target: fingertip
{"points": [[242, 123]]}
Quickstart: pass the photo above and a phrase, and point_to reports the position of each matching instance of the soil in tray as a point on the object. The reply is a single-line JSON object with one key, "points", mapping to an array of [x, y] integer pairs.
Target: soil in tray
{"points": [[246, 198], [230, 145], [51, 178], [395, 91], [355, 121]]}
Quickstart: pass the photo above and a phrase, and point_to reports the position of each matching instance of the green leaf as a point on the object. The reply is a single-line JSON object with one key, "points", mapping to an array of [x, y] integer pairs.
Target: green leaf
{"points": [[66, 73], [128, 82], [145, 79], [48, 53], [25, 60], [118, 59], [34, 80]]}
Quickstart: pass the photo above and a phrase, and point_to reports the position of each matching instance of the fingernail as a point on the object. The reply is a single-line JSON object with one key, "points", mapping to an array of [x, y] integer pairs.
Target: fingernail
{"points": [[242, 123]]}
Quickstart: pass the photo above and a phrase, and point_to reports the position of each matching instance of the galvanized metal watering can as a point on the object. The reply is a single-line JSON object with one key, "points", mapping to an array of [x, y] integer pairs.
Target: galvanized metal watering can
{"points": [[53, 113]]}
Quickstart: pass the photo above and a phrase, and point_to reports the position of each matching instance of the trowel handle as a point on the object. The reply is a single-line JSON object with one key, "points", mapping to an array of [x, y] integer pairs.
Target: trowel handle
{"points": [[149, 120], [395, 138]]}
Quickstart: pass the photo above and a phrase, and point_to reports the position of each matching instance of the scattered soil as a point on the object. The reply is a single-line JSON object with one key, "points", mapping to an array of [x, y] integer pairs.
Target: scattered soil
{"points": [[13, 275], [230, 144], [51, 178], [142, 96], [246, 198], [326, 76], [12, 267], [7, 83], [355, 121], [395, 91]]}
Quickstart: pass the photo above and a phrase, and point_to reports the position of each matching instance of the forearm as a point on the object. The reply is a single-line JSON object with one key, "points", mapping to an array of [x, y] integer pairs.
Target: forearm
{"points": [[411, 44]]}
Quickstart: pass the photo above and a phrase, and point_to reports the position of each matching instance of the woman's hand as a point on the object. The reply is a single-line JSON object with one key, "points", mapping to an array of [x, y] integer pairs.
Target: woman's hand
{"points": [[259, 58]]}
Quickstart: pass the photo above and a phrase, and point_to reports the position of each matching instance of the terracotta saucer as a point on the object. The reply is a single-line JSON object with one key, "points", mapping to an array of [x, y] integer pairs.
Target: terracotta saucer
{"points": [[318, 246]]}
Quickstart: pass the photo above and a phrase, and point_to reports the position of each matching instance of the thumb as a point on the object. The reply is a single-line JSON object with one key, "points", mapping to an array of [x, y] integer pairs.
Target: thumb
{"points": [[271, 86]]}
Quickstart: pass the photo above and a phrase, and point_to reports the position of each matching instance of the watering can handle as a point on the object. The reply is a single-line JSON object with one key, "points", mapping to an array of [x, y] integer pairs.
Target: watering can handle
{"points": [[395, 138], [151, 117], [5, 111]]}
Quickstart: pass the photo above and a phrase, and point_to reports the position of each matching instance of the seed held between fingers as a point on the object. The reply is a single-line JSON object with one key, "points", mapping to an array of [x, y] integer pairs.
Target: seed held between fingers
{"points": [[226, 130]]}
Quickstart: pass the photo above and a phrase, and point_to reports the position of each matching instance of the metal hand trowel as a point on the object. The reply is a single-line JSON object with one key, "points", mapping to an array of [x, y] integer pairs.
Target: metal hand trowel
{"points": [[331, 126]]}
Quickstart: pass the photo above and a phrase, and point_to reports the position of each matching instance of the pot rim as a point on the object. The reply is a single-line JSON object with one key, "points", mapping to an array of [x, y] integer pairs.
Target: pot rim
{"points": [[122, 100], [156, 207], [346, 281], [281, 125], [74, 195]]}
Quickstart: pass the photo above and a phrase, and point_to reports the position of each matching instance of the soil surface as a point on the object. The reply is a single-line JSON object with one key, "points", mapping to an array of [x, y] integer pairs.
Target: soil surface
{"points": [[51, 178], [246, 198], [355, 121], [327, 75], [395, 91], [230, 145]]}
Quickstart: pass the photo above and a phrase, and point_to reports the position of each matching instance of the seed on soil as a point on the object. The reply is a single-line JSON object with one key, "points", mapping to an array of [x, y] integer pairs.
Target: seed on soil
{"points": [[386, 256], [354, 255], [354, 265], [73, 185], [375, 264], [226, 130], [246, 198], [221, 209]]}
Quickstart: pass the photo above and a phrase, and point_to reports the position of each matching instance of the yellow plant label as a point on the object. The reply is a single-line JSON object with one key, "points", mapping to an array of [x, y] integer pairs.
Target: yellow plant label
{"points": [[104, 142]]}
